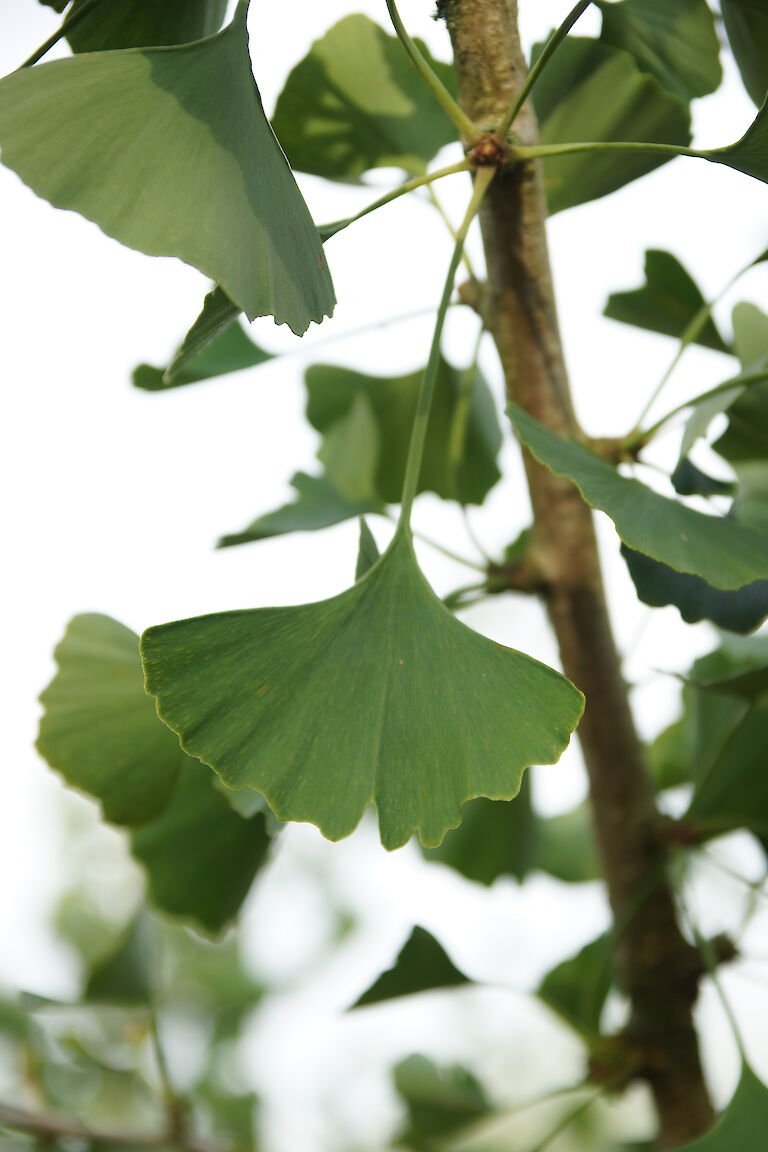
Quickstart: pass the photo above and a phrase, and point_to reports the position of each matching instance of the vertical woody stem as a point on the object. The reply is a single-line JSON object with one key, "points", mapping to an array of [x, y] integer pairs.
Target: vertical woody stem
{"points": [[659, 970]]}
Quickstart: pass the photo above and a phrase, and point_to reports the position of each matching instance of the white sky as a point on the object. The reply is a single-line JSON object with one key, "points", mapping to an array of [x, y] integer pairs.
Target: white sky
{"points": [[115, 497]]}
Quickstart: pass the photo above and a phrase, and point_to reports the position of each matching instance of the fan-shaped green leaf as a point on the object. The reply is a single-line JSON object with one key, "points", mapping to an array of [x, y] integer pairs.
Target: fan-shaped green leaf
{"points": [[666, 303], [126, 974], [422, 965], [350, 453], [494, 839], [578, 987], [746, 25], [677, 43], [440, 1101], [377, 695], [722, 551], [143, 23], [319, 504], [200, 855], [749, 154], [592, 91], [356, 102], [463, 436], [659, 585], [168, 150], [743, 1124], [566, 847], [101, 731], [214, 346]]}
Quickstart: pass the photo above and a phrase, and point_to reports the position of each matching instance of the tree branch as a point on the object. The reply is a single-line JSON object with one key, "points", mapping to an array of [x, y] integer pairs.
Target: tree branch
{"points": [[53, 1128], [659, 969]]}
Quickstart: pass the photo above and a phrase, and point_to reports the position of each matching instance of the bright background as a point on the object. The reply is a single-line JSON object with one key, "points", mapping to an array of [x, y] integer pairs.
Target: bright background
{"points": [[114, 498]]}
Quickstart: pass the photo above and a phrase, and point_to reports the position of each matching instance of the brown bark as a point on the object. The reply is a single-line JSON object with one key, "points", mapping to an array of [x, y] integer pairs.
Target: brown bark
{"points": [[659, 969]]}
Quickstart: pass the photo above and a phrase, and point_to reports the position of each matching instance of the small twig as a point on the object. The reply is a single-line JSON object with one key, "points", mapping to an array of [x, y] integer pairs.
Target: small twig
{"points": [[54, 1128], [66, 27]]}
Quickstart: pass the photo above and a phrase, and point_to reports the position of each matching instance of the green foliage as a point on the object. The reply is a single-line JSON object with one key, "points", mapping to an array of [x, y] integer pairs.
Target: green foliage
{"points": [[101, 732], [214, 346], [99, 729], [746, 24], [155, 131], [677, 43], [494, 839], [668, 302], [440, 1101], [743, 1123], [379, 690], [721, 551], [143, 23], [593, 91], [578, 987], [463, 434], [422, 965], [356, 103], [212, 188]]}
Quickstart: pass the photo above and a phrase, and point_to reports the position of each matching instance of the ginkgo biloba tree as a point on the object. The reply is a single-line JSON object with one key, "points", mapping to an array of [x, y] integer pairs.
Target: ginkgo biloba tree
{"points": [[203, 735]]}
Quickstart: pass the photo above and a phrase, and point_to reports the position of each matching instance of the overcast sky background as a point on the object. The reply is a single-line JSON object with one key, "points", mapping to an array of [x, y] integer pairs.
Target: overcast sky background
{"points": [[114, 498]]}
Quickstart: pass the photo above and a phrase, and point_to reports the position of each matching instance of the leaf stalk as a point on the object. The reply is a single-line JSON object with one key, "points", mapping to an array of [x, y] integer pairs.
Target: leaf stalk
{"points": [[467, 128], [419, 432]]}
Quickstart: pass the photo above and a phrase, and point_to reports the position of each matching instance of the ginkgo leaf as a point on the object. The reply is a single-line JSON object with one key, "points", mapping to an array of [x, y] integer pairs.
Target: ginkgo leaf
{"points": [[659, 585], [677, 43], [215, 345], [376, 695], [566, 846], [666, 303], [463, 434], [724, 552], [350, 453], [440, 1101], [593, 91], [743, 1124], [578, 987], [356, 102], [319, 504], [494, 839], [168, 151], [100, 730], [200, 855], [143, 23], [422, 965], [746, 25]]}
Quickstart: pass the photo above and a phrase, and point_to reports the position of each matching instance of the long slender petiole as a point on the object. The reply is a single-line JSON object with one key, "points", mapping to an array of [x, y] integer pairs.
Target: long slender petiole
{"points": [[541, 151], [551, 45], [692, 330], [328, 230], [66, 26], [467, 128], [419, 432]]}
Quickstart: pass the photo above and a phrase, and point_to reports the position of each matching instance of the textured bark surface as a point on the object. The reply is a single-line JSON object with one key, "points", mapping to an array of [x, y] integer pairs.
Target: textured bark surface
{"points": [[659, 969]]}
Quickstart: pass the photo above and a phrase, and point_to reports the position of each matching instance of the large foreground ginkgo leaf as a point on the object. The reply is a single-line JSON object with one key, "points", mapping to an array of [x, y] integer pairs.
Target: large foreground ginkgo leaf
{"points": [[376, 695], [168, 150], [719, 549]]}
